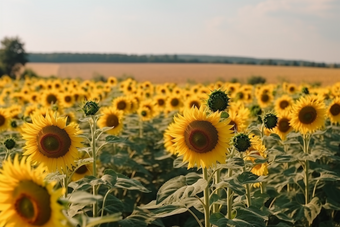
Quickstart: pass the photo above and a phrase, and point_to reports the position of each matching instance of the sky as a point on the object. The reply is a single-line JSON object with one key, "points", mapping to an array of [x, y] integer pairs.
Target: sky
{"points": [[280, 29]]}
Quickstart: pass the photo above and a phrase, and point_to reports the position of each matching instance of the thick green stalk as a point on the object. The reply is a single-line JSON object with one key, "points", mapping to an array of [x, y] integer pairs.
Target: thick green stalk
{"points": [[206, 199], [305, 150], [94, 155], [229, 198], [217, 177], [65, 182], [248, 195]]}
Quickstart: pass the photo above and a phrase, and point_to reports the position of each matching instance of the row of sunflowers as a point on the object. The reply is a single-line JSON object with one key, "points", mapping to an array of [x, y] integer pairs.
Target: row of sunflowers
{"points": [[126, 153]]}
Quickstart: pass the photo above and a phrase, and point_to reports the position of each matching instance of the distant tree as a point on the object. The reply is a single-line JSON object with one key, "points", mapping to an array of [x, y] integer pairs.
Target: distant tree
{"points": [[12, 55]]}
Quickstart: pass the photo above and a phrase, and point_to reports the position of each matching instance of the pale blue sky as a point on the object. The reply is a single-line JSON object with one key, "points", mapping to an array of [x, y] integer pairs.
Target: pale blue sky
{"points": [[287, 29]]}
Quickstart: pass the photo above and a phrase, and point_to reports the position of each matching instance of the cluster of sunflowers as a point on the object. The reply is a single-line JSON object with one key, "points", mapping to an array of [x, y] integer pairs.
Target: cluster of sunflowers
{"points": [[213, 122]]}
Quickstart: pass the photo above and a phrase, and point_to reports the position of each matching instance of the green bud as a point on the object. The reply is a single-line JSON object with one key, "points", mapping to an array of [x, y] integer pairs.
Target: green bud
{"points": [[9, 143], [14, 124], [218, 101], [224, 114], [255, 110], [270, 121], [241, 142], [90, 108], [305, 90]]}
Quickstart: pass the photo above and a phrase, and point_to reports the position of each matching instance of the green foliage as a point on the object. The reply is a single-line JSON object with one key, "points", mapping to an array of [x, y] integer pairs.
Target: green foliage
{"points": [[253, 80], [12, 55]]}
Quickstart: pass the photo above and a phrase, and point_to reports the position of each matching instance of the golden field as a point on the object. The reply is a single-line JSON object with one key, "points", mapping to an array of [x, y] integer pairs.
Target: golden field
{"points": [[182, 73]]}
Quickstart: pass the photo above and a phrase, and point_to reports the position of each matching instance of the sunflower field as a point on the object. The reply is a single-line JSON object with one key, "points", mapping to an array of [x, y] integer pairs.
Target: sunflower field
{"points": [[85, 153]]}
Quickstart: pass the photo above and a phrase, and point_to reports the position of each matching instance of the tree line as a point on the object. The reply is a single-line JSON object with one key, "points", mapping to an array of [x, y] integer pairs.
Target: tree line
{"points": [[13, 56], [133, 58]]}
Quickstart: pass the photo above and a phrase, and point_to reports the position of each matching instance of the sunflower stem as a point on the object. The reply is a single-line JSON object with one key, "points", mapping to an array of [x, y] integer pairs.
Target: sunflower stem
{"points": [[65, 182], [229, 198], [248, 195], [306, 151], [95, 205], [94, 155], [206, 199], [217, 176], [140, 128]]}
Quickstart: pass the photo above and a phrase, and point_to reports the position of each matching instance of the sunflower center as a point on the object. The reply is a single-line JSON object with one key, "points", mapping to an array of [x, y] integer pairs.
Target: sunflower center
{"points": [[283, 125], [201, 136], [144, 113], [53, 141], [240, 95], [121, 105], [307, 115], [32, 203], [25, 207], [335, 109], [174, 102], [2, 120], [264, 97], [112, 121], [160, 102], [51, 98], [67, 99], [82, 169], [284, 104]]}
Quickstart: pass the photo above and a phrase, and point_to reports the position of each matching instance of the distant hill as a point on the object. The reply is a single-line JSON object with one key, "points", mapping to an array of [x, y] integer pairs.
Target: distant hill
{"points": [[180, 58]]}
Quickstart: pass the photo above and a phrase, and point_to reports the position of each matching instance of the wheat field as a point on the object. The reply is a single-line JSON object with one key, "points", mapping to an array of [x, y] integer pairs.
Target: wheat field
{"points": [[182, 73]]}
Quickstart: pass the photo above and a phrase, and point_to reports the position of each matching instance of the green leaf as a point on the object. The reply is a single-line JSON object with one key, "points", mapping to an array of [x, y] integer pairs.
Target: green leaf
{"points": [[312, 209], [248, 178], [232, 163], [175, 188], [109, 177], [82, 197], [178, 162], [106, 219], [168, 210], [129, 184]]}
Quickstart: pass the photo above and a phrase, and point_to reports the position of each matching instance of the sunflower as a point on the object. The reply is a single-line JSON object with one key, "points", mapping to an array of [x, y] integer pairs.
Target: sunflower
{"points": [[333, 110], [50, 141], [26, 199], [283, 126], [111, 118], [160, 101], [82, 171], [169, 144], [67, 99], [4, 119], [151, 106], [257, 151], [193, 101], [308, 114], [264, 97], [202, 139], [144, 113], [50, 97], [291, 88], [174, 102], [112, 81], [237, 121], [122, 103], [162, 90], [285, 102]]}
